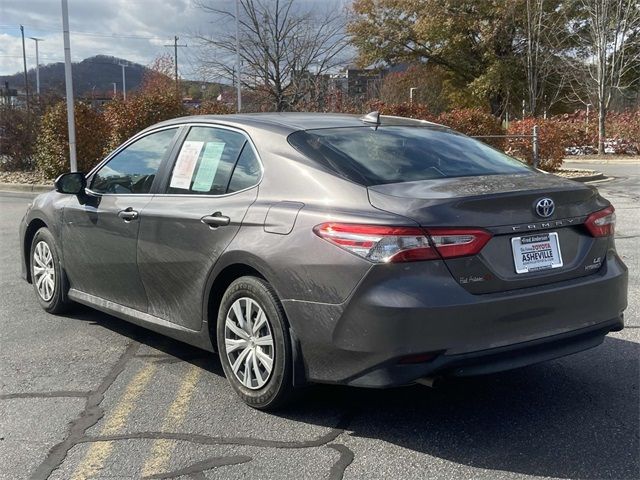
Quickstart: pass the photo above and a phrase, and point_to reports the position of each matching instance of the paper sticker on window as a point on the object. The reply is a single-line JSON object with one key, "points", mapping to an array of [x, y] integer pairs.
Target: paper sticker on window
{"points": [[208, 166], [186, 164]]}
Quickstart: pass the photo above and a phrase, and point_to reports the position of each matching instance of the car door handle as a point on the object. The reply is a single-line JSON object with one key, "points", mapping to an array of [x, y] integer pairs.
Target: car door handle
{"points": [[128, 214], [216, 220]]}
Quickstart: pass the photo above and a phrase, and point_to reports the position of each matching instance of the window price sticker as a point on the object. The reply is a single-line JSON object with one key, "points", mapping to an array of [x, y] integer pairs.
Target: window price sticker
{"points": [[208, 167], [186, 164]]}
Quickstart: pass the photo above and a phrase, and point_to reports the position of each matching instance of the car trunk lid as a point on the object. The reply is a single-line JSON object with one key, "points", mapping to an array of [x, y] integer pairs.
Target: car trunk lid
{"points": [[504, 205]]}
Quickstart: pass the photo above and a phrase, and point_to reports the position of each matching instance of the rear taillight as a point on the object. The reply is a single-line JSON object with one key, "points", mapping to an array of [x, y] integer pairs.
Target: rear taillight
{"points": [[385, 244], [453, 243], [602, 223]]}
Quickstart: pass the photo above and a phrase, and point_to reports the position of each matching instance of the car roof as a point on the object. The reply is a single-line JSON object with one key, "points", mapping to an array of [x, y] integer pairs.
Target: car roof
{"points": [[288, 122]]}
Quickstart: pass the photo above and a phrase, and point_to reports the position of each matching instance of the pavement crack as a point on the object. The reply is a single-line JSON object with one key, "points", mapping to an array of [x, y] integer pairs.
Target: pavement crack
{"points": [[212, 440], [53, 394], [346, 457], [197, 469], [201, 439], [88, 417]]}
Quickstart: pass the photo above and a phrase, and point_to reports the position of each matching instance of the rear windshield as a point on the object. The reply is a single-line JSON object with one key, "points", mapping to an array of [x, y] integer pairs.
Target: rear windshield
{"points": [[394, 154]]}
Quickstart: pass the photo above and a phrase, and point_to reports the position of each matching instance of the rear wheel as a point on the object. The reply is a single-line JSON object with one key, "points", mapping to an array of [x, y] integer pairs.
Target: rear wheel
{"points": [[253, 341], [47, 275]]}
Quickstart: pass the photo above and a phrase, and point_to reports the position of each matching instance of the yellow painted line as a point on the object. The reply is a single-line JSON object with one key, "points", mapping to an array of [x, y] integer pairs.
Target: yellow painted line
{"points": [[116, 420], [162, 448]]}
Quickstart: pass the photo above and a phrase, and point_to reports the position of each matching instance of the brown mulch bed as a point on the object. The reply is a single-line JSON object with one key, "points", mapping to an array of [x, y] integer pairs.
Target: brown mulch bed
{"points": [[31, 178]]}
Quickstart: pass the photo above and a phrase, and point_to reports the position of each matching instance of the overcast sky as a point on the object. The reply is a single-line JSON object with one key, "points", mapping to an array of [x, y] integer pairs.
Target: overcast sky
{"points": [[132, 29]]}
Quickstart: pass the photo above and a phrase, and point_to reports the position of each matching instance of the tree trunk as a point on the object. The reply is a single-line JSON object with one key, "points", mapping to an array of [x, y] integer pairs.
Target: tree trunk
{"points": [[496, 103], [602, 114]]}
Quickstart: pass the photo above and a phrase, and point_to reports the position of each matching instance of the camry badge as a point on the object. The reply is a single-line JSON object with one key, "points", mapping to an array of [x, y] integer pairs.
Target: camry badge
{"points": [[545, 207]]}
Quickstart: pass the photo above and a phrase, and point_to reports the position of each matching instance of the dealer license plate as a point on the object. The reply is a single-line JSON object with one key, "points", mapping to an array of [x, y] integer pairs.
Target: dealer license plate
{"points": [[536, 252]]}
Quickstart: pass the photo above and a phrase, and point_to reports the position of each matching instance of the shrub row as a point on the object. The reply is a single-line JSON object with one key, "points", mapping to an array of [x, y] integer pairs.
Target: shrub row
{"points": [[558, 135], [100, 132]]}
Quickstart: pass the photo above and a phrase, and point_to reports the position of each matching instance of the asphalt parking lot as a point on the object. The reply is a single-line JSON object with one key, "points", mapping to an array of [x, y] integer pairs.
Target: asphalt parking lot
{"points": [[90, 396]]}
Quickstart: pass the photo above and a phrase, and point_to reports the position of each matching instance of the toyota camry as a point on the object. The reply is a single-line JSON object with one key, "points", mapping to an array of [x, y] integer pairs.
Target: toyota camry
{"points": [[306, 248]]}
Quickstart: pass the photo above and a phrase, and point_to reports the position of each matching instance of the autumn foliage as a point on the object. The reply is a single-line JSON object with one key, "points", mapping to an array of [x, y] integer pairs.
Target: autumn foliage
{"points": [[52, 146], [157, 100], [553, 136]]}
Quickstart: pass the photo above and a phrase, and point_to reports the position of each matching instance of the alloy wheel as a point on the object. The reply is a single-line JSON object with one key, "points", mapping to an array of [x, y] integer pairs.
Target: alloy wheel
{"points": [[249, 343], [44, 271]]}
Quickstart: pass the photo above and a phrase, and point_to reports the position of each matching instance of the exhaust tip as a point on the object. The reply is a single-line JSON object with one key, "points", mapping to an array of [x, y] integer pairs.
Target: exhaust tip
{"points": [[428, 381]]}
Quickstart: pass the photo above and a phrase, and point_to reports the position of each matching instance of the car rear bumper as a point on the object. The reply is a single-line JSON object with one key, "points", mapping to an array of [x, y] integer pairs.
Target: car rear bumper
{"points": [[399, 311]]}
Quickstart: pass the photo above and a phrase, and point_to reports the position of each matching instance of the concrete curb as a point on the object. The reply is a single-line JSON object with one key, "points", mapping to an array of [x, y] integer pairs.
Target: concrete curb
{"points": [[603, 161], [589, 178], [25, 187]]}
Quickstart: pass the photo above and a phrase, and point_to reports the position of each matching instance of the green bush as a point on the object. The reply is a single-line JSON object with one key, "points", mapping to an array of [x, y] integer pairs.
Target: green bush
{"points": [[52, 146]]}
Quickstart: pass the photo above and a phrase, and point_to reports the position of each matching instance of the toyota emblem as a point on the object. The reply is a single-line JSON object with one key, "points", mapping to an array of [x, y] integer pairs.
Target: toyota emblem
{"points": [[545, 207]]}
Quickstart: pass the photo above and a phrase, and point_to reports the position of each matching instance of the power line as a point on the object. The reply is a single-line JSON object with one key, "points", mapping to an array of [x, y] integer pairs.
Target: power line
{"points": [[90, 34]]}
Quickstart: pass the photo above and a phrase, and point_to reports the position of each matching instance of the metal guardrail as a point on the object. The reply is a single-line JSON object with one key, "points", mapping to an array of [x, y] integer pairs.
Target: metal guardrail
{"points": [[535, 142]]}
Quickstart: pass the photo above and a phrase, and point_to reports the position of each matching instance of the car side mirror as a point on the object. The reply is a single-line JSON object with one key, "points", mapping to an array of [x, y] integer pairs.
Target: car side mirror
{"points": [[72, 183]]}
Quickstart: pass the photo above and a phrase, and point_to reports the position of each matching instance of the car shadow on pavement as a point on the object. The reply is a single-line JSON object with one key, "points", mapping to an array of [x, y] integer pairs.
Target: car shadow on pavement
{"points": [[577, 417]]}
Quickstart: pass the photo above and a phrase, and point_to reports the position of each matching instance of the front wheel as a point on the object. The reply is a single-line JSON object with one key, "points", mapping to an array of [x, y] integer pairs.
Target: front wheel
{"points": [[47, 275], [254, 345]]}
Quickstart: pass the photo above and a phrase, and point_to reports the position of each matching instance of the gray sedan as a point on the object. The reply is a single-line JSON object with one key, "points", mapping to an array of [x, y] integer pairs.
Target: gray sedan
{"points": [[373, 252]]}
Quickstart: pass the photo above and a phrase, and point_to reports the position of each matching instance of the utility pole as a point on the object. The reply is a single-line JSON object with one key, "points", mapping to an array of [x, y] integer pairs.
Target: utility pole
{"points": [[124, 82], [37, 64], [175, 56], [69, 84], [238, 83], [24, 61]]}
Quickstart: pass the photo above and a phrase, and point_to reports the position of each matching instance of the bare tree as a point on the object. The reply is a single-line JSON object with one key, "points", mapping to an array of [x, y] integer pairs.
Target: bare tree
{"points": [[284, 48], [607, 50], [545, 80]]}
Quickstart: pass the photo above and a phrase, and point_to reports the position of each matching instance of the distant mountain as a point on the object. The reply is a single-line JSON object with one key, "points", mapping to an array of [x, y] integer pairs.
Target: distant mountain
{"points": [[95, 74]]}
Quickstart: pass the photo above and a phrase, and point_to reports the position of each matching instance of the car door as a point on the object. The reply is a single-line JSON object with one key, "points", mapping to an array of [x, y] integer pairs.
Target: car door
{"points": [[100, 228], [185, 229]]}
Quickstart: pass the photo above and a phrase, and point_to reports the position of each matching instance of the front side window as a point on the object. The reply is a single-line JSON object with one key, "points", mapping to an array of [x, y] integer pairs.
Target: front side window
{"points": [[133, 169], [206, 161], [395, 154]]}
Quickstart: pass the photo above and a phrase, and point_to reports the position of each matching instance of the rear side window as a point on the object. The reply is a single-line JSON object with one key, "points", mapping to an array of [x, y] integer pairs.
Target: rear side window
{"points": [[205, 161], [395, 154], [247, 171]]}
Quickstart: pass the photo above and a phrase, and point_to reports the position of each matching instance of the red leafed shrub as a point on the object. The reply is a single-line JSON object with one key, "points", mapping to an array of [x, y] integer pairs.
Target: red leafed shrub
{"points": [[143, 109], [474, 122], [157, 100], [623, 131], [578, 135], [553, 137], [209, 107], [16, 138], [409, 110]]}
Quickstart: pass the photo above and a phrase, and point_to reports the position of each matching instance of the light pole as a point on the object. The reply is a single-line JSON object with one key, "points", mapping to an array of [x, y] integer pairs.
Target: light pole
{"points": [[115, 90], [69, 86], [37, 64], [124, 82], [411, 90]]}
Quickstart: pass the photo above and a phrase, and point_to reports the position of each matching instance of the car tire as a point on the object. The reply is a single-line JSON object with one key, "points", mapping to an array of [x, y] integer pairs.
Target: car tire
{"points": [[47, 276], [248, 348]]}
